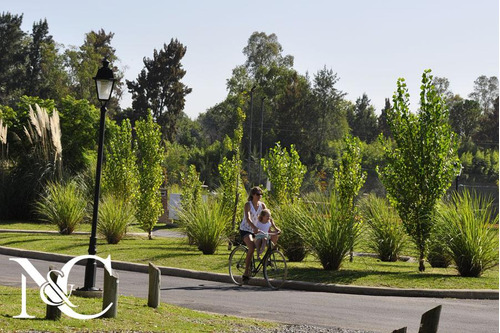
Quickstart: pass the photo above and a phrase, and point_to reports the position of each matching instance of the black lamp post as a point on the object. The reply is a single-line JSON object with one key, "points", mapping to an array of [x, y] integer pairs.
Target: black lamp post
{"points": [[105, 82]]}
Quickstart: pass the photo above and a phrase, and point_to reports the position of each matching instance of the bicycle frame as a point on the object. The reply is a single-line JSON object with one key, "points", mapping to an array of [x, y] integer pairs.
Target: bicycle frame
{"points": [[256, 269]]}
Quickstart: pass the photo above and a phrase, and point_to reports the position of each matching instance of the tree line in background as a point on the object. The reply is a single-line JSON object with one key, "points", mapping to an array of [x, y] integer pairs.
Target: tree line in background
{"points": [[309, 113]]}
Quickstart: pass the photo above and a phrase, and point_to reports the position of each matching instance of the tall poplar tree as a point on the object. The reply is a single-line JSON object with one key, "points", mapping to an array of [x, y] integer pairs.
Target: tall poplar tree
{"points": [[149, 158], [422, 161]]}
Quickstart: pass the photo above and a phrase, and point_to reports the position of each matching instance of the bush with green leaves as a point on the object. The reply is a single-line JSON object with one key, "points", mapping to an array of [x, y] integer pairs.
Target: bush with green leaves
{"points": [[206, 224], [467, 225], [63, 205], [386, 234], [115, 215], [327, 230], [120, 170], [285, 172]]}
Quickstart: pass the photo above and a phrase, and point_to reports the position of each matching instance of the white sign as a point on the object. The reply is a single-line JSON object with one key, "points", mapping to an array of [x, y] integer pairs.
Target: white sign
{"points": [[57, 292]]}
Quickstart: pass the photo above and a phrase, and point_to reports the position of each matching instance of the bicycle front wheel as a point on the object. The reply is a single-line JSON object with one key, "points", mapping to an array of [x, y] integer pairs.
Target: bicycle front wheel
{"points": [[237, 264], [275, 270]]}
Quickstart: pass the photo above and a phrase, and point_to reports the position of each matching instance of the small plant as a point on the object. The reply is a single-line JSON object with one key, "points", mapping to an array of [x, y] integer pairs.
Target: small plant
{"points": [[327, 230], [206, 224], [386, 234], [63, 205], [115, 215], [467, 227]]}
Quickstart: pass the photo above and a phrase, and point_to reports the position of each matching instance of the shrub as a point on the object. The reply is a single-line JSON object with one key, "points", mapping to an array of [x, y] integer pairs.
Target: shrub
{"points": [[466, 225], [285, 172], [438, 254], [63, 205], [206, 224], [115, 215], [327, 230], [290, 241], [386, 235]]}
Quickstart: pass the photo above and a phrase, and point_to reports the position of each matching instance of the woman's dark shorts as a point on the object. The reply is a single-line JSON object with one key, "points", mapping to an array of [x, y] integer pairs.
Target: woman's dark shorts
{"points": [[244, 233]]}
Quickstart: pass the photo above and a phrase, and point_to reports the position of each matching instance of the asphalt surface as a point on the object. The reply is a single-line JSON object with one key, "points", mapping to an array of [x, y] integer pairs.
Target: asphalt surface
{"points": [[350, 307], [361, 312]]}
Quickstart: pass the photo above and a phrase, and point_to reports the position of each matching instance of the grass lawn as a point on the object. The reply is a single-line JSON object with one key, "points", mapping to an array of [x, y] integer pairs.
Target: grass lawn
{"points": [[84, 227], [175, 252], [133, 315]]}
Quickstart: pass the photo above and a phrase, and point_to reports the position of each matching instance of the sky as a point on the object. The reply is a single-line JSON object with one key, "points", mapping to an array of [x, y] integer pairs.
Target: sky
{"points": [[368, 43]]}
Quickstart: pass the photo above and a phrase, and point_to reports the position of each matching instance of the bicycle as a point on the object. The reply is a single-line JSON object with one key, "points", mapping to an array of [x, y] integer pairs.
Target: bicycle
{"points": [[273, 263]]}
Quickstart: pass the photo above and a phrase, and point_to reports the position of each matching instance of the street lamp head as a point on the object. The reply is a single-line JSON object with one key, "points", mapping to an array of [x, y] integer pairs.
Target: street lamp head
{"points": [[104, 82]]}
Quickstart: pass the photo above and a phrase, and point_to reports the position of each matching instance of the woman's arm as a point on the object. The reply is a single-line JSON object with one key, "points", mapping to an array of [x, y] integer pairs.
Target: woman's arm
{"points": [[249, 218]]}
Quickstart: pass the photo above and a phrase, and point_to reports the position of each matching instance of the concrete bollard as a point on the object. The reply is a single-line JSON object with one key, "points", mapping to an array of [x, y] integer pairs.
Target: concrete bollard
{"points": [[52, 312], [110, 294], [154, 286], [430, 320]]}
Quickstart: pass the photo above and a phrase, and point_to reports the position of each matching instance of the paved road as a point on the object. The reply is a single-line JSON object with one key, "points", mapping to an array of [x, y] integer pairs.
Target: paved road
{"points": [[379, 314]]}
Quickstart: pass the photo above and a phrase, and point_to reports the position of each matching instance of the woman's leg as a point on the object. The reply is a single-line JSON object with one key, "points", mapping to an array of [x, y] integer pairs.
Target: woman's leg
{"points": [[248, 239]]}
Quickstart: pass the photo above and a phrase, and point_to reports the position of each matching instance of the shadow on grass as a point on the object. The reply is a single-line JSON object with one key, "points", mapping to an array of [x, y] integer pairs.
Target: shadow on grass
{"points": [[348, 276]]}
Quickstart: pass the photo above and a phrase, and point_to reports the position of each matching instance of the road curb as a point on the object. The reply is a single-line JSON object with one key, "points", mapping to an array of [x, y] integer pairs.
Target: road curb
{"points": [[295, 285]]}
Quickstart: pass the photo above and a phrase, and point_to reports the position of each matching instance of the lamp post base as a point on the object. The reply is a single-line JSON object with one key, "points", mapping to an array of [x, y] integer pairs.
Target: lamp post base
{"points": [[92, 292]]}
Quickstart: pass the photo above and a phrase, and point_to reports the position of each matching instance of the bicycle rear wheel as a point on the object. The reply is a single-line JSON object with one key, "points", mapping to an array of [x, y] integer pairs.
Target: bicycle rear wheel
{"points": [[237, 264], [275, 269]]}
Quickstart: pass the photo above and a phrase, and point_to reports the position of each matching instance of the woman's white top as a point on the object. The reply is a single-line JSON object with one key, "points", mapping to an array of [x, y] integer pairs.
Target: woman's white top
{"points": [[254, 215]]}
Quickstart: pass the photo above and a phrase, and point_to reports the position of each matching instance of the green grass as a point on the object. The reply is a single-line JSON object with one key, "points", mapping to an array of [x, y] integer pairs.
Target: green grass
{"points": [[133, 314], [175, 252], [42, 226]]}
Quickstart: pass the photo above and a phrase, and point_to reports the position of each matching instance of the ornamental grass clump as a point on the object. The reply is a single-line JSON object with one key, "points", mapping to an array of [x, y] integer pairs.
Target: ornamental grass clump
{"points": [[206, 224], [63, 205], [115, 215], [438, 253], [467, 224], [328, 230], [290, 240], [386, 234]]}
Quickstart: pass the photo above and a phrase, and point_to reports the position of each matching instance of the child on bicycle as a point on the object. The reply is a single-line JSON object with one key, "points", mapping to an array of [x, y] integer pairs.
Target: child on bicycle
{"points": [[264, 224]]}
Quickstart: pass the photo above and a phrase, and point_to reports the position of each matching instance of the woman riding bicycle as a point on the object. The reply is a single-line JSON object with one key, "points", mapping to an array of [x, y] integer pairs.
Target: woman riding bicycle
{"points": [[248, 226]]}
